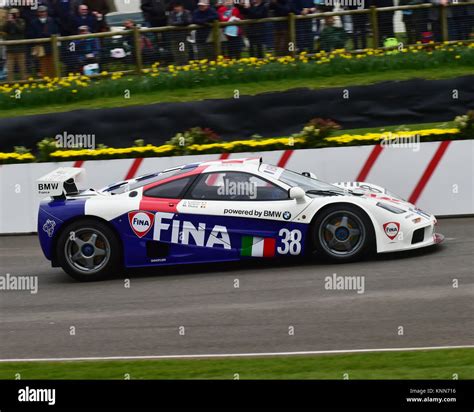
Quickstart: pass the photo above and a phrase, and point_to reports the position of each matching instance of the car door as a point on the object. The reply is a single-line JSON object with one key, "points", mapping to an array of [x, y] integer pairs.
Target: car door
{"points": [[244, 215]]}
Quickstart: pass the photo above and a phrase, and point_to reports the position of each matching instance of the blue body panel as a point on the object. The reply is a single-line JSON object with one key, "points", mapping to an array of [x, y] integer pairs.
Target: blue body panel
{"points": [[135, 252], [52, 215]]}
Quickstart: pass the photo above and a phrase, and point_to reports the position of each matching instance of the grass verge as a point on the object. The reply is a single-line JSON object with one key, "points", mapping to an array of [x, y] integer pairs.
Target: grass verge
{"points": [[431, 364], [226, 91]]}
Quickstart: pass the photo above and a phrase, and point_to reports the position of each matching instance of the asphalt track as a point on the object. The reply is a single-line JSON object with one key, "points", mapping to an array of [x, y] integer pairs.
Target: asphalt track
{"points": [[413, 290]]}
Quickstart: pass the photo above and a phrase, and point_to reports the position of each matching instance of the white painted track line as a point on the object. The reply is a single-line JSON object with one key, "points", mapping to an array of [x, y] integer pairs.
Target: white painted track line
{"points": [[238, 355]]}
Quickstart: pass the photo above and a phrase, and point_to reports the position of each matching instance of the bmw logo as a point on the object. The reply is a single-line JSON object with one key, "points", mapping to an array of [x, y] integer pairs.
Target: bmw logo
{"points": [[286, 215]]}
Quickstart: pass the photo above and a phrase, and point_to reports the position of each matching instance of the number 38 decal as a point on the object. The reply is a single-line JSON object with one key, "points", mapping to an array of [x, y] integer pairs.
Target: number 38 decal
{"points": [[290, 242]]}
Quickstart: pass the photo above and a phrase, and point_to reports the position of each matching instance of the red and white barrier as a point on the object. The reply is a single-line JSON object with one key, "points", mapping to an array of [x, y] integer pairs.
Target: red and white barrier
{"points": [[439, 177]]}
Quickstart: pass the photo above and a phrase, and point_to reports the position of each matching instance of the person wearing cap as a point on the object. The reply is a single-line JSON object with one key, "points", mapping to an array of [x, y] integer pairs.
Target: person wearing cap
{"points": [[87, 50], [44, 26], [15, 29], [204, 15]]}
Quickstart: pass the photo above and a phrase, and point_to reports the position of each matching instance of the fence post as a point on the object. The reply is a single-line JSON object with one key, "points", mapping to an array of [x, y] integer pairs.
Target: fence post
{"points": [[292, 34], [374, 24], [55, 55], [443, 16], [137, 47], [216, 38]]}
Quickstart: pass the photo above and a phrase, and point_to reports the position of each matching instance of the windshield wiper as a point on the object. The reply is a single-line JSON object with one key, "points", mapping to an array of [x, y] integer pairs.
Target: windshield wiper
{"points": [[325, 192]]}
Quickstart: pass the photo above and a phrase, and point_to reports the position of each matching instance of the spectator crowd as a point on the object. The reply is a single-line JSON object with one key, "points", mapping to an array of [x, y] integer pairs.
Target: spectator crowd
{"points": [[71, 17]]}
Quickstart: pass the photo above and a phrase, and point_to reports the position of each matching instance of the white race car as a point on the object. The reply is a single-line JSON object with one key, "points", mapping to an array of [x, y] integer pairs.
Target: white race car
{"points": [[220, 211]]}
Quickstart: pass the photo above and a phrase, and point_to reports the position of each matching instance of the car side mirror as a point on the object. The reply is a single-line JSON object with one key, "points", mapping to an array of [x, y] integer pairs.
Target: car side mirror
{"points": [[297, 193], [310, 174]]}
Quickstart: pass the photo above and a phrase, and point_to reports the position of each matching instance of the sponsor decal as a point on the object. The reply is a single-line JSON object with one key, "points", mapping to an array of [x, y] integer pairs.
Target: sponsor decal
{"points": [[49, 226], [169, 229], [46, 188], [386, 198], [391, 229], [195, 204], [140, 222], [420, 212], [257, 246], [258, 213]]}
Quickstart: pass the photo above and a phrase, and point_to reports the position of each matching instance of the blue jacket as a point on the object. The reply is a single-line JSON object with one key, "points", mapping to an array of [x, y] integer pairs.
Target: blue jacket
{"points": [[204, 17]]}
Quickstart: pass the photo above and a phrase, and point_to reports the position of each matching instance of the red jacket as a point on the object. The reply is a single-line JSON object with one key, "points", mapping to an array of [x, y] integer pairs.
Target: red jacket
{"points": [[234, 12]]}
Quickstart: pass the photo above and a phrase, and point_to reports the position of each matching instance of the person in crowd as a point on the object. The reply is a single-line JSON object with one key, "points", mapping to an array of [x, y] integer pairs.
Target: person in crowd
{"points": [[100, 8], [204, 15], [87, 50], [462, 21], [15, 29], [229, 13], [414, 20], [332, 37], [44, 26], [281, 8], [434, 17], [385, 20], [154, 12], [255, 9], [304, 28], [179, 17], [63, 11], [359, 26], [146, 45], [85, 18]]}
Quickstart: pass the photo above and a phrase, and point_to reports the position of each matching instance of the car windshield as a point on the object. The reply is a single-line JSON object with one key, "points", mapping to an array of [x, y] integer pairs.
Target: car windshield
{"points": [[306, 183], [126, 186]]}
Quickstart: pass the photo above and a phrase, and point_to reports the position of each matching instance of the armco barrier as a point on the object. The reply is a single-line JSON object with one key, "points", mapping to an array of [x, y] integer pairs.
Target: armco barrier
{"points": [[439, 177]]}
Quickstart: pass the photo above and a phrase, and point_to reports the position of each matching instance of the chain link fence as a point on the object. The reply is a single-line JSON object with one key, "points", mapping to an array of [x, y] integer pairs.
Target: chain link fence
{"points": [[131, 51]]}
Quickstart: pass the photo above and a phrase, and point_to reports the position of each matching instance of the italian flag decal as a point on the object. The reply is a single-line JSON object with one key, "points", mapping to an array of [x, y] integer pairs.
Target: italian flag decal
{"points": [[258, 246]]}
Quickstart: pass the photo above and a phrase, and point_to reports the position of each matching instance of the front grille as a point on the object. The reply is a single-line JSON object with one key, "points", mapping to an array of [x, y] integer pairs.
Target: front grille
{"points": [[418, 236]]}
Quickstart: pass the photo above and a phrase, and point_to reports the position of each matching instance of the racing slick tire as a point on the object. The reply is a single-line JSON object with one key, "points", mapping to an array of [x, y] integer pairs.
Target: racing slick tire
{"points": [[88, 250], [342, 233]]}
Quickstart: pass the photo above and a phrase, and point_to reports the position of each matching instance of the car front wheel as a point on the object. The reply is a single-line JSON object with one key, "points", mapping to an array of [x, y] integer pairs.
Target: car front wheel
{"points": [[342, 233]]}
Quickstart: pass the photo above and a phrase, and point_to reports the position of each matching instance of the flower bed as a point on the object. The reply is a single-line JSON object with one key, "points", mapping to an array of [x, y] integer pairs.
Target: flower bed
{"points": [[204, 73], [251, 145]]}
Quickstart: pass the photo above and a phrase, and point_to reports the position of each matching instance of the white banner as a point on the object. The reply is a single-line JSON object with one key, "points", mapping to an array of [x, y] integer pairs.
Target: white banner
{"points": [[438, 177]]}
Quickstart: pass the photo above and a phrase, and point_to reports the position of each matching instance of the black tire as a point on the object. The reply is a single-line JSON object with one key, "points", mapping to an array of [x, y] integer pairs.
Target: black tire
{"points": [[87, 258], [340, 242]]}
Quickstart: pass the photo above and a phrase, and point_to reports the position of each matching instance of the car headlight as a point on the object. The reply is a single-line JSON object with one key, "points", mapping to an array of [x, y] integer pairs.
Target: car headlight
{"points": [[390, 208]]}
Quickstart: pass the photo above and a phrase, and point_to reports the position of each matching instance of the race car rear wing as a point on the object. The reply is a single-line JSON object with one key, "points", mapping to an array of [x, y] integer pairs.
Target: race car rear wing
{"points": [[60, 182]]}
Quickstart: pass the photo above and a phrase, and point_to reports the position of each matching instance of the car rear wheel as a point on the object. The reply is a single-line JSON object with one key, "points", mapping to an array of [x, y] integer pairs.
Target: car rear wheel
{"points": [[88, 250], [342, 233]]}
